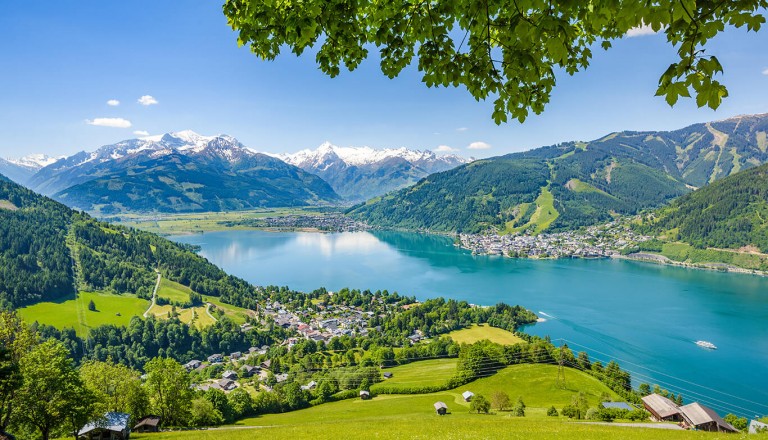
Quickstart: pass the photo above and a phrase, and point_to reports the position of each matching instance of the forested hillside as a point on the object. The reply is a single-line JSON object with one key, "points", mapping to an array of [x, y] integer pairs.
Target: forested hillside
{"points": [[47, 251], [574, 183], [730, 213]]}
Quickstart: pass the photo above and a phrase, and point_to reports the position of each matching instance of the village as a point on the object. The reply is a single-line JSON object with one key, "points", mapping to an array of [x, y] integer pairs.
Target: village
{"points": [[592, 242], [332, 222]]}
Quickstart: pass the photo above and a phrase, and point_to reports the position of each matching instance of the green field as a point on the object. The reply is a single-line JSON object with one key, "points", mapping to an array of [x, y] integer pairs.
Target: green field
{"points": [[544, 215], [433, 372], [237, 314], [413, 416], [173, 291], [74, 313], [479, 332], [175, 224]]}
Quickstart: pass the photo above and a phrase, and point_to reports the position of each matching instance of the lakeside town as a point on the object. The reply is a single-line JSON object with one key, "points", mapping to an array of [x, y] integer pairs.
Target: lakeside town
{"points": [[599, 241]]}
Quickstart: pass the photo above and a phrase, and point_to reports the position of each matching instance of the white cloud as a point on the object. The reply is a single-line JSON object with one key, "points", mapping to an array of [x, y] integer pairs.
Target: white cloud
{"points": [[640, 31], [478, 146], [113, 103], [147, 100], [141, 133], [109, 122], [765, 72], [461, 129], [444, 149]]}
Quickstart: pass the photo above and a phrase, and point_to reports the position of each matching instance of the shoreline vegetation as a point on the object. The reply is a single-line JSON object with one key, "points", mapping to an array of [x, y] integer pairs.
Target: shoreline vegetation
{"points": [[615, 240]]}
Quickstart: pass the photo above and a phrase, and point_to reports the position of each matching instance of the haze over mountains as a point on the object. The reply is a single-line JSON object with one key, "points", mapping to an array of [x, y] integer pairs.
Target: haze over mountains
{"points": [[575, 183]]}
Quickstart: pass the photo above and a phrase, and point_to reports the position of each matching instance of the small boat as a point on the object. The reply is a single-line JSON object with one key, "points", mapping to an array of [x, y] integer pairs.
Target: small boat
{"points": [[706, 344]]}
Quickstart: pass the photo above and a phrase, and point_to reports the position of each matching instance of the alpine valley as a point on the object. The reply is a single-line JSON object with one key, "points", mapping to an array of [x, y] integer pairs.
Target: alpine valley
{"points": [[575, 183]]}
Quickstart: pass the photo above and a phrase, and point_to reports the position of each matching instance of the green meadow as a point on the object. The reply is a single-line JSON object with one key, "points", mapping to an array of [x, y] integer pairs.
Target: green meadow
{"points": [[413, 416], [74, 313], [433, 372], [476, 333]]}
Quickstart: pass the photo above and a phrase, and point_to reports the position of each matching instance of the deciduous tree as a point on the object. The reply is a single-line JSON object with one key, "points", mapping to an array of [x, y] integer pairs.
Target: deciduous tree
{"points": [[510, 51]]}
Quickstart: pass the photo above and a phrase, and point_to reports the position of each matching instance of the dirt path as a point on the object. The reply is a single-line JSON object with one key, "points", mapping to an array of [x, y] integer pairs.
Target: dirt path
{"points": [[154, 295]]}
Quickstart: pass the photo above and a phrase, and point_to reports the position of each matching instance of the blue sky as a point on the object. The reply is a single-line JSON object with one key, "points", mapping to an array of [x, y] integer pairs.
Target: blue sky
{"points": [[63, 61]]}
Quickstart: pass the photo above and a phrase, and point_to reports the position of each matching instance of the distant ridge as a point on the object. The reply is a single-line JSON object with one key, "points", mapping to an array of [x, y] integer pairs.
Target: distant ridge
{"points": [[359, 173], [575, 183]]}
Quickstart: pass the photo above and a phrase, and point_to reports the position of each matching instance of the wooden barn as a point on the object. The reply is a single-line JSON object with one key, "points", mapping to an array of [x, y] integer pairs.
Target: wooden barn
{"points": [[441, 408], [365, 395], [701, 418], [113, 426], [467, 395], [661, 408], [148, 424]]}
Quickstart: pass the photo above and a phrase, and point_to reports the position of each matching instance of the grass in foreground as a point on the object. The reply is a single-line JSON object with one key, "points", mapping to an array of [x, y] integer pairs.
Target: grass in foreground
{"points": [[479, 332], [74, 313]]}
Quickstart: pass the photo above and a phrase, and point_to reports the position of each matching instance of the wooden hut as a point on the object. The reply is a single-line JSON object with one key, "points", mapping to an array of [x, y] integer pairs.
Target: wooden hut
{"points": [[662, 408], [467, 395], [441, 408], [113, 426], [700, 417], [365, 395], [148, 424], [387, 375]]}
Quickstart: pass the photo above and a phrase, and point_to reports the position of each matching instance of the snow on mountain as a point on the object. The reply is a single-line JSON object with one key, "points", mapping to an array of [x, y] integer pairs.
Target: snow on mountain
{"points": [[34, 161], [356, 156]]}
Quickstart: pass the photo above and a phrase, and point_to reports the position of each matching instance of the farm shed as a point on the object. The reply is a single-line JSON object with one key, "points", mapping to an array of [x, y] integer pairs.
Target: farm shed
{"points": [[148, 424], [662, 408], [467, 395], [441, 408], [705, 419], [113, 426]]}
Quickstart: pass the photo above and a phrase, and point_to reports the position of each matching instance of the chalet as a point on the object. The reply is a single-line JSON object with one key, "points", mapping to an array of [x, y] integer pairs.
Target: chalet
{"points": [[756, 427], [226, 384], [310, 386], [215, 358], [235, 355], [388, 375], [661, 408], [249, 371], [280, 378], [441, 408], [704, 419], [112, 426], [467, 395], [191, 365], [229, 374], [365, 395], [266, 364], [148, 424], [618, 405], [253, 350]]}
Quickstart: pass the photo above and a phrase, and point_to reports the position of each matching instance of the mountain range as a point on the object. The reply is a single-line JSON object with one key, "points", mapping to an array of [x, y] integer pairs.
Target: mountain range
{"points": [[178, 172], [187, 172], [359, 173], [574, 183]]}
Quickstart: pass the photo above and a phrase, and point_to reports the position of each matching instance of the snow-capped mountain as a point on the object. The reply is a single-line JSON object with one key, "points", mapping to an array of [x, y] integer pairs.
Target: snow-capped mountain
{"points": [[179, 171], [83, 166], [20, 170], [34, 161], [359, 173]]}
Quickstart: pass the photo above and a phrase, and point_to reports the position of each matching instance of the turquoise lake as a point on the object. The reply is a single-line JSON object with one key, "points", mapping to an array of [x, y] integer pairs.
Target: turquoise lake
{"points": [[645, 316]]}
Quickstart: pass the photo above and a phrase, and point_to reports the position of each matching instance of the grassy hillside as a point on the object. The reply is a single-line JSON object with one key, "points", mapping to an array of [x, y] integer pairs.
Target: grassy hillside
{"points": [[413, 416], [72, 312], [589, 182], [430, 426], [49, 252], [731, 213]]}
